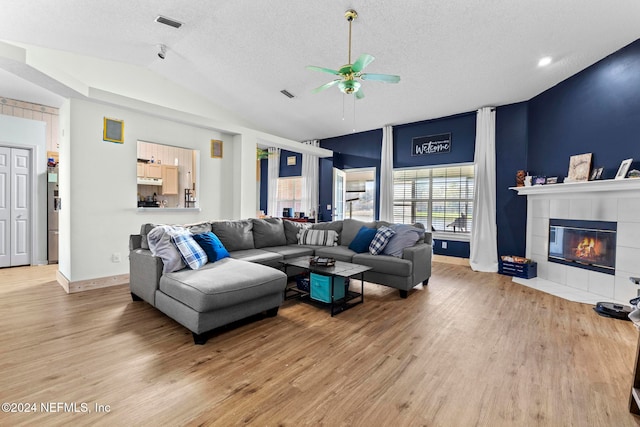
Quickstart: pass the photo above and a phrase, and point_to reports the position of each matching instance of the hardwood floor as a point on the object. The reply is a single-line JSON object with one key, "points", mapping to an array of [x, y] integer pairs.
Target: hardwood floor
{"points": [[471, 349]]}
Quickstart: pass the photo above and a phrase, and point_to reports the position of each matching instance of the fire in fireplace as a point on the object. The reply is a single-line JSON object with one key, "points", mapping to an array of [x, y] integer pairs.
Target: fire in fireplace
{"points": [[584, 244]]}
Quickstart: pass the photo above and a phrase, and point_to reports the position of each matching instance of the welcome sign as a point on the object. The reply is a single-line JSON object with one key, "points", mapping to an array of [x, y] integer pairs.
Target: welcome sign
{"points": [[432, 144]]}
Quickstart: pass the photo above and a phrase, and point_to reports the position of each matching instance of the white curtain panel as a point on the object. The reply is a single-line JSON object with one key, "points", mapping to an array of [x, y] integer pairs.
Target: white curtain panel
{"points": [[484, 246], [386, 175], [310, 182], [273, 173]]}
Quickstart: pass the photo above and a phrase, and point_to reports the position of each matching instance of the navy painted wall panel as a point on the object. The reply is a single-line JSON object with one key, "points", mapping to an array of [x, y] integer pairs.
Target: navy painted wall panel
{"points": [[454, 248], [264, 182], [511, 155], [463, 139], [595, 111], [293, 170], [325, 192]]}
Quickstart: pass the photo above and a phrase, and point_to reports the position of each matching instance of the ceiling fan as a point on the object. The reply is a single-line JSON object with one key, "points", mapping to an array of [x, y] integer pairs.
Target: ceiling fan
{"points": [[352, 72]]}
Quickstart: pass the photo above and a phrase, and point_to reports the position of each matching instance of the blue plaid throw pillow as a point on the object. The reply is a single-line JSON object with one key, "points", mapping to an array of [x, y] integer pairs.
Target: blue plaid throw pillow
{"points": [[380, 240], [191, 252]]}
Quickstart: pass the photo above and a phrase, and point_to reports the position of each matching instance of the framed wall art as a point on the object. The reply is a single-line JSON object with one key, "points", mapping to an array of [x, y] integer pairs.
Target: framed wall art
{"points": [[216, 149], [113, 130]]}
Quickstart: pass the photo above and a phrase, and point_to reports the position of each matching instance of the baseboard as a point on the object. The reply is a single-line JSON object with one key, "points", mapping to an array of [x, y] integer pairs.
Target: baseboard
{"points": [[87, 285], [451, 260]]}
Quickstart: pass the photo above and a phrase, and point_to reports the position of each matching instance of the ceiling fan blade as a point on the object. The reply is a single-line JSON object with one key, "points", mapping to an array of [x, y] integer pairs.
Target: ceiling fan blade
{"points": [[387, 78], [322, 69], [362, 61], [359, 94], [326, 86]]}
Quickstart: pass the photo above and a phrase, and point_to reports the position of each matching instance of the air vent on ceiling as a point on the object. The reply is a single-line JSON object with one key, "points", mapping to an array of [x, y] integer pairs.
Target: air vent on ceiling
{"points": [[286, 93], [168, 21]]}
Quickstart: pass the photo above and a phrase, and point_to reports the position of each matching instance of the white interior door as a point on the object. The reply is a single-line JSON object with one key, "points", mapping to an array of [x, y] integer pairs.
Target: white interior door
{"points": [[339, 194], [20, 207], [15, 215], [5, 203]]}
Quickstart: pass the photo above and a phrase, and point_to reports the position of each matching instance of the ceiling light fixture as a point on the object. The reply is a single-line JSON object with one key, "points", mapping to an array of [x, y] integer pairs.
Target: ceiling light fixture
{"points": [[543, 62], [168, 21]]}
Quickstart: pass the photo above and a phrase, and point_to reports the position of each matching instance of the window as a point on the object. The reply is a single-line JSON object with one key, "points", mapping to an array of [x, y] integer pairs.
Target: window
{"points": [[290, 194], [440, 198]]}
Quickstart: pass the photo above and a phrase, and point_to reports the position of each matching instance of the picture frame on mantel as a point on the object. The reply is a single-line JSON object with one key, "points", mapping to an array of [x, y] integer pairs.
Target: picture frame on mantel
{"points": [[579, 167], [623, 169]]}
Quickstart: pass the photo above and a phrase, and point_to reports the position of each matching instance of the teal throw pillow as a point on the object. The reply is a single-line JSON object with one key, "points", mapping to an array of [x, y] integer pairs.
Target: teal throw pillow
{"points": [[363, 239], [212, 246]]}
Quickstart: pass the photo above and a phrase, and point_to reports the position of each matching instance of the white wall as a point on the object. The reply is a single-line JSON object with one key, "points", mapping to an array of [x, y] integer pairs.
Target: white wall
{"points": [[19, 132], [102, 195]]}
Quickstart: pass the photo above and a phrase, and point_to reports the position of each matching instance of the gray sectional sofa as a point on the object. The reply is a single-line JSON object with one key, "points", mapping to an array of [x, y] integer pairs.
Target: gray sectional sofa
{"points": [[251, 280]]}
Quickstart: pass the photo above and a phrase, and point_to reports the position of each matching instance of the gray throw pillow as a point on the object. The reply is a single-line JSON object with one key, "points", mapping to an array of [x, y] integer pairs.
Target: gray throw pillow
{"points": [[234, 235], [405, 236], [268, 232], [161, 246], [291, 230], [335, 226]]}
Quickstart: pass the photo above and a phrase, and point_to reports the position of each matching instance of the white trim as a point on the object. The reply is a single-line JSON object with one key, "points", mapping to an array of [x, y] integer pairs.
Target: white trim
{"points": [[580, 187], [444, 165]]}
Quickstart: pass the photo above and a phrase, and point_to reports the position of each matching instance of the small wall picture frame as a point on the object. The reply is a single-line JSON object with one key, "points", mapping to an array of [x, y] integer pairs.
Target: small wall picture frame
{"points": [[623, 169], [291, 160], [216, 149], [113, 130]]}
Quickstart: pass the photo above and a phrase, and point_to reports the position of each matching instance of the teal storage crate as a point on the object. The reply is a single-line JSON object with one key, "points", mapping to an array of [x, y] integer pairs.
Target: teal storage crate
{"points": [[321, 287]]}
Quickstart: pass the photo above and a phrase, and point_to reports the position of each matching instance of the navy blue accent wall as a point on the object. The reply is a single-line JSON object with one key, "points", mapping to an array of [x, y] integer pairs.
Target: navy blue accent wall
{"points": [[358, 150], [454, 248], [264, 183], [595, 111], [463, 141], [325, 192], [293, 170], [511, 155]]}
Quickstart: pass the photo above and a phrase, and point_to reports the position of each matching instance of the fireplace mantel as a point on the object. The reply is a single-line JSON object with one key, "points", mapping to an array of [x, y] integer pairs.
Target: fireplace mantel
{"points": [[607, 185]]}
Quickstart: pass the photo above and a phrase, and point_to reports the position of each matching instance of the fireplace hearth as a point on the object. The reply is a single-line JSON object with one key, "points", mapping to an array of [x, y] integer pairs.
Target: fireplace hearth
{"points": [[584, 244]]}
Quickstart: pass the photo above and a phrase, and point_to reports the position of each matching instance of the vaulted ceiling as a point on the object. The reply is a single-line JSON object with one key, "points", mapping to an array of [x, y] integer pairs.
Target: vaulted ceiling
{"points": [[453, 56]]}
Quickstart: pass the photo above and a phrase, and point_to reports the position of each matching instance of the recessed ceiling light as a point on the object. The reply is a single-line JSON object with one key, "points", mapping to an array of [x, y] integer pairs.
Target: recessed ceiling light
{"points": [[544, 61]]}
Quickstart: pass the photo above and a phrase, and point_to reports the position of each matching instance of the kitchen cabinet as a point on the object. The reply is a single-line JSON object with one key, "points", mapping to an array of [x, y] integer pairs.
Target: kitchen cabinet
{"points": [[153, 170], [169, 180], [141, 170]]}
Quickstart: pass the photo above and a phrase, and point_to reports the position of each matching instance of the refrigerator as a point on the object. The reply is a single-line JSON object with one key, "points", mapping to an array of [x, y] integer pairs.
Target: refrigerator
{"points": [[53, 207]]}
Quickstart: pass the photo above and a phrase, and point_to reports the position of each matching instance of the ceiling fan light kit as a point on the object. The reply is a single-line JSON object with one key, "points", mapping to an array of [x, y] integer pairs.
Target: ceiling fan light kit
{"points": [[350, 73]]}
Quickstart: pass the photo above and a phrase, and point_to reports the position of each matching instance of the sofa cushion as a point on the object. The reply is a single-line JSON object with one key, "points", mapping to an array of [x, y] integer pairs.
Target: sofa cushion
{"points": [[234, 235], [341, 253], [291, 251], [199, 227], [317, 237], [385, 264], [212, 246], [222, 284], [363, 239], [380, 240], [192, 253], [260, 256], [405, 236], [161, 246], [292, 228], [268, 232], [335, 226], [350, 228], [145, 229]]}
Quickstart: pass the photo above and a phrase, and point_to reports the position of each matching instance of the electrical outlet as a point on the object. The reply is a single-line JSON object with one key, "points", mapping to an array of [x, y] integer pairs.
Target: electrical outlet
{"points": [[115, 257], [444, 245]]}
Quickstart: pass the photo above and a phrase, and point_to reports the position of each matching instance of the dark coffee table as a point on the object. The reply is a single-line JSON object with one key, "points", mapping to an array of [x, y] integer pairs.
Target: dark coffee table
{"points": [[340, 269]]}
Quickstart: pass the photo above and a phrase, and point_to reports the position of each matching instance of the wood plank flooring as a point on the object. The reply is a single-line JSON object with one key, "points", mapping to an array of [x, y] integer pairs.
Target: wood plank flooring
{"points": [[471, 349]]}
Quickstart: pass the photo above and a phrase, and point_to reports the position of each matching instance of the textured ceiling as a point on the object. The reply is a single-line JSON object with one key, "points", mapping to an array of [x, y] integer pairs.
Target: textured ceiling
{"points": [[453, 56]]}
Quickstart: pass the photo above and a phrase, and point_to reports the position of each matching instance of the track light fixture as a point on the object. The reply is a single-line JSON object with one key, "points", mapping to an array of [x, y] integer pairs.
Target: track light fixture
{"points": [[163, 51]]}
